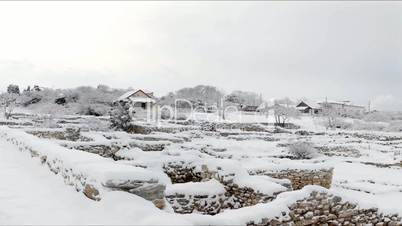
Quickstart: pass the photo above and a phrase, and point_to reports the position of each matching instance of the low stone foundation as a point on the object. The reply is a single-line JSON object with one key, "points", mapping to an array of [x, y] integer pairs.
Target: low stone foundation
{"points": [[321, 208], [301, 178], [69, 134]]}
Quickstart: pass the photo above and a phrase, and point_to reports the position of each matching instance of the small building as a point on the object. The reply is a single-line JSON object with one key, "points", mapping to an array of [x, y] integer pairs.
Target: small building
{"points": [[344, 108], [143, 102], [308, 107], [249, 108]]}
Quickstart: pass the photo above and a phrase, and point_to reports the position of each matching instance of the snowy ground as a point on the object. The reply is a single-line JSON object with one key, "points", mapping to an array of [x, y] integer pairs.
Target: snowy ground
{"points": [[364, 169], [31, 194]]}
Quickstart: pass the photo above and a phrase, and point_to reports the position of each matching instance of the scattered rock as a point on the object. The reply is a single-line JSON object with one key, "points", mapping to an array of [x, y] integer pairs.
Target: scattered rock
{"points": [[91, 192]]}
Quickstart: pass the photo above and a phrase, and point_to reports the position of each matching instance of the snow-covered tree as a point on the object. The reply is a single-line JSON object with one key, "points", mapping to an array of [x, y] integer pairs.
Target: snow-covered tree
{"points": [[244, 98], [209, 95], [8, 102], [331, 115], [120, 116], [13, 89], [283, 112]]}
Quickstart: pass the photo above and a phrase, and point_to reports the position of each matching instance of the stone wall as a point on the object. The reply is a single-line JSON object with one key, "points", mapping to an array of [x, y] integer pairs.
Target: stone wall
{"points": [[238, 197], [109, 150], [182, 173], [339, 151], [83, 182], [235, 196], [300, 178], [147, 129], [321, 208], [69, 134], [249, 127]]}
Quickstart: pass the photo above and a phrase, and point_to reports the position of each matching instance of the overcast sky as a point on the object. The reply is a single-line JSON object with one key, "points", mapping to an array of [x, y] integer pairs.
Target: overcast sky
{"points": [[342, 50]]}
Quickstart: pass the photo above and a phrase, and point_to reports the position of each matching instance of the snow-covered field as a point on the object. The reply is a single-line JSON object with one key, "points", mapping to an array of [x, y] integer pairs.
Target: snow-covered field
{"points": [[366, 169]]}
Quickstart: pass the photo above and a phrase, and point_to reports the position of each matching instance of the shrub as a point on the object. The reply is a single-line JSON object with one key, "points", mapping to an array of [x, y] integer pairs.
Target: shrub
{"points": [[302, 150]]}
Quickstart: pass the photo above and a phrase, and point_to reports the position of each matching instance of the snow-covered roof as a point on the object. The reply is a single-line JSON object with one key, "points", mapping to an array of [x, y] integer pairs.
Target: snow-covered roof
{"points": [[126, 95], [345, 103], [311, 104], [142, 99], [132, 92]]}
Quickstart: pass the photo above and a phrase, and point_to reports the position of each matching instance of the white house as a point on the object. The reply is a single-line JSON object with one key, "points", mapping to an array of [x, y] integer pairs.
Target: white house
{"points": [[143, 102], [344, 108]]}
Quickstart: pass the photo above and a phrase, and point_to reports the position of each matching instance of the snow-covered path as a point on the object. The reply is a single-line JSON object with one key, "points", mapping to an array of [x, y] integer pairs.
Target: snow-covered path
{"points": [[31, 194]]}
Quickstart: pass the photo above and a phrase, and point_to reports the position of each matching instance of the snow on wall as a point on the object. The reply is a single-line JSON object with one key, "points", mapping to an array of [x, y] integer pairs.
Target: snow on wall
{"points": [[308, 205], [87, 172]]}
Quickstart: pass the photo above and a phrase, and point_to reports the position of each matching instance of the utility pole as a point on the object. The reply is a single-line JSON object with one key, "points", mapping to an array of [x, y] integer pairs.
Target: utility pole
{"points": [[369, 106]]}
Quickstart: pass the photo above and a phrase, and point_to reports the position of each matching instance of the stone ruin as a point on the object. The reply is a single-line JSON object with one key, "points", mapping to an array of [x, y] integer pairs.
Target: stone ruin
{"points": [[234, 197], [322, 208]]}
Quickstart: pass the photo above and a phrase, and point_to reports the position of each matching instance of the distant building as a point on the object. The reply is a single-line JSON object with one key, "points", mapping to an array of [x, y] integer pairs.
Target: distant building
{"points": [[143, 102], [344, 108], [309, 107], [249, 108]]}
